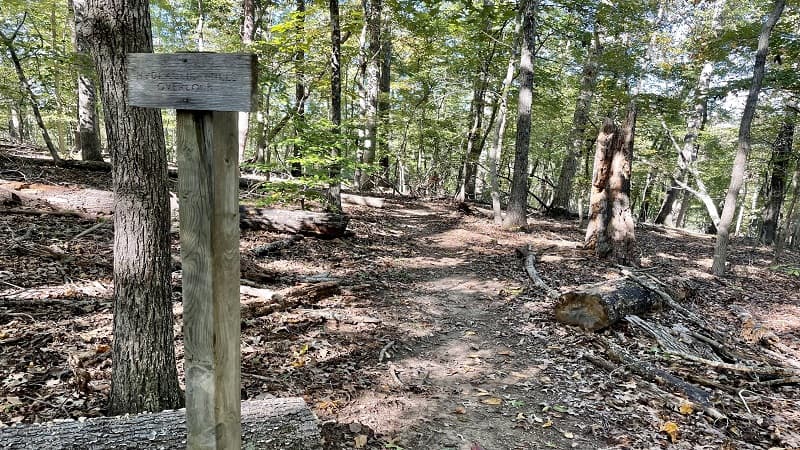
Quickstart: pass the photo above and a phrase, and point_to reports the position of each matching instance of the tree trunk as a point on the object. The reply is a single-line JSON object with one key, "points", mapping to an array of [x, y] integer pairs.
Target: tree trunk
{"points": [[516, 214], [597, 306], [87, 137], [300, 90], [776, 191], [580, 118], [276, 424], [23, 80], [384, 99], [740, 161], [792, 216], [497, 145], [144, 376], [372, 15], [644, 208], [611, 229], [248, 33], [334, 193]]}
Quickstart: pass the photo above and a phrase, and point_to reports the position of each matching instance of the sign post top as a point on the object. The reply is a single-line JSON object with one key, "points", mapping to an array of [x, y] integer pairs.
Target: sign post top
{"points": [[199, 81]]}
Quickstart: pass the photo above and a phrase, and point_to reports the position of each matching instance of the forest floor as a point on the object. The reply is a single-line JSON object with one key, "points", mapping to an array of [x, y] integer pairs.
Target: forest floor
{"points": [[438, 339]]}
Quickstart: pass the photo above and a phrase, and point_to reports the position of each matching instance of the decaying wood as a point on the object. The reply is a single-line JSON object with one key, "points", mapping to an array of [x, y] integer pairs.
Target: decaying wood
{"points": [[596, 306], [285, 423], [268, 301], [772, 372], [45, 212], [361, 200], [318, 224], [664, 338], [530, 269], [661, 377], [277, 246]]}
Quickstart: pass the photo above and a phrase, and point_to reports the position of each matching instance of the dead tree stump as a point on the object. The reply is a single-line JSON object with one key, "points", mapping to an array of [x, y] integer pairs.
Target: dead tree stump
{"points": [[596, 306]]}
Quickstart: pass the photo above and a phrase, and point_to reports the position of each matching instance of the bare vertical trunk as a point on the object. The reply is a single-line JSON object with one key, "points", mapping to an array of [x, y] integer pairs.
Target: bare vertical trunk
{"points": [[740, 161], [335, 187], [384, 99], [300, 94], [248, 33], [87, 138], [781, 155], [516, 214], [200, 28], [644, 207], [144, 376], [497, 145], [563, 190], [611, 229], [792, 216], [372, 15], [14, 124]]}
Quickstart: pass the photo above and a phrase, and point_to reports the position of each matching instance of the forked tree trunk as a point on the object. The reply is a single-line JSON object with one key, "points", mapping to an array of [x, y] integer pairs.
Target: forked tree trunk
{"points": [[776, 191], [500, 132], [372, 51], [740, 161], [87, 137], [580, 118], [516, 214], [611, 229], [144, 376]]}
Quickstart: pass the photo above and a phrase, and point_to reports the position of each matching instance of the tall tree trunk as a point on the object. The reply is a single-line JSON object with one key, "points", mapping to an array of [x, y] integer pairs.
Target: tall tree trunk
{"points": [[384, 97], [740, 161], [144, 376], [248, 33], [87, 137], [300, 94], [644, 208], [335, 187], [8, 41], [372, 15], [497, 145], [580, 118], [14, 124], [611, 229], [776, 191], [792, 216], [516, 214]]}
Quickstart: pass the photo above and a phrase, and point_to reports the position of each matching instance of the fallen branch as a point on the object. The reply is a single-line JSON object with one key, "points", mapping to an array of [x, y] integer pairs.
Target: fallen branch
{"points": [[530, 269], [275, 247], [268, 301], [773, 372]]}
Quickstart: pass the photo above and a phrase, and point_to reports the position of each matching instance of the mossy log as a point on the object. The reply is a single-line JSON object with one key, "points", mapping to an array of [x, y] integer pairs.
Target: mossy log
{"points": [[309, 223], [285, 423], [597, 306]]}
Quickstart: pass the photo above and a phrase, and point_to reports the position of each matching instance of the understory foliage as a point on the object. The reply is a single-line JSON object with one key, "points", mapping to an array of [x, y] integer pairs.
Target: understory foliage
{"points": [[446, 61]]}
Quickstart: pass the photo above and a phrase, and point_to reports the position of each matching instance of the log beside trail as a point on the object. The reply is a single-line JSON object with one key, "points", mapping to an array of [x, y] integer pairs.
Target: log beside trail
{"points": [[284, 423], [309, 223], [596, 306]]}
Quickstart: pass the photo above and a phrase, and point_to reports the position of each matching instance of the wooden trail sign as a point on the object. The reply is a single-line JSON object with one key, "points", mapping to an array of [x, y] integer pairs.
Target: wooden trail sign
{"points": [[197, 81], [205, 88]]}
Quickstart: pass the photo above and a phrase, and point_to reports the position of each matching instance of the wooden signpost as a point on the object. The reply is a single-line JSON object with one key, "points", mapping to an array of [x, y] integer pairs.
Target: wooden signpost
{"points": [[206, 89]]}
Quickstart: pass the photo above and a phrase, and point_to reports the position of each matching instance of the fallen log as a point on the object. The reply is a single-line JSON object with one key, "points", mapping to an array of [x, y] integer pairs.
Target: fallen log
{"points": [[277, 246], [266, 424], [596, 306], [530, 269], [361, 200], [309, 223], [268, 301]]}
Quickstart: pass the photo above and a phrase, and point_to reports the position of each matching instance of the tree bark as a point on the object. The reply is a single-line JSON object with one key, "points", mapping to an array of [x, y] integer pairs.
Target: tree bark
{"points": [[740, 161], [372, 16], [248, 34], [144, 376], [580, 118], [384, 99], [516, 214], [87, 138], [300, 89], [611, 229], [776, 191], [600, 305], [334, 193], [274, 424], [497, 145]]}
